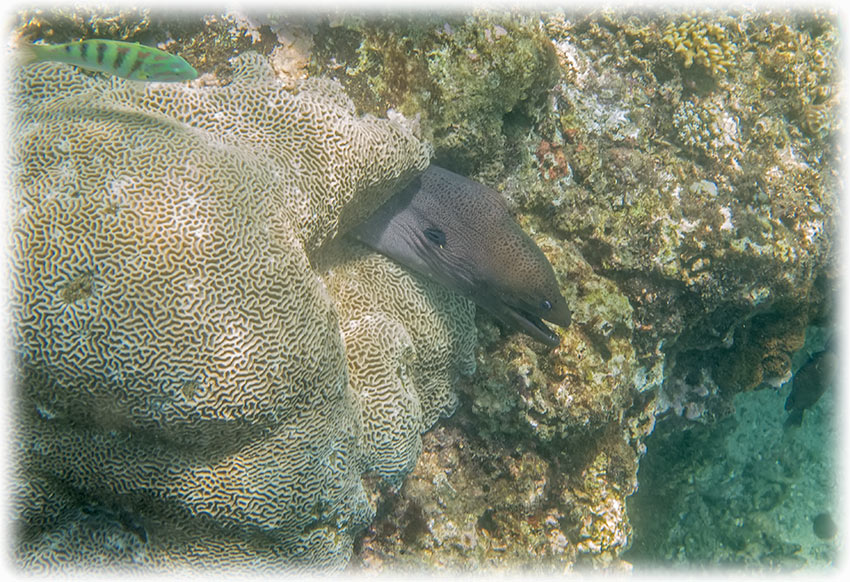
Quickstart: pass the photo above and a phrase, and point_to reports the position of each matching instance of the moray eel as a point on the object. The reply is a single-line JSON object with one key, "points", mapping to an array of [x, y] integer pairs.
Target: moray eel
{"points": [[461, 233]]}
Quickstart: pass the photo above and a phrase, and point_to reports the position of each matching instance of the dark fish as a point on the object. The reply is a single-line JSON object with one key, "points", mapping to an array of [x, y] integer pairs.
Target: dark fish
{"points": [[809, 384], [129, 60], [461, 234], [824, 526]]}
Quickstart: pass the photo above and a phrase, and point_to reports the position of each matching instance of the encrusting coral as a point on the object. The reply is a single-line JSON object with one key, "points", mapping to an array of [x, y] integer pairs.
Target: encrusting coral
{"points": [[187, 393], [684, 211], [473, 78]]}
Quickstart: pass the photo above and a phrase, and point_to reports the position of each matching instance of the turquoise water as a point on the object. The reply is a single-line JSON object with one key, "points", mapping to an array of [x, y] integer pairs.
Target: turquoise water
{"points": [[743, 492]]}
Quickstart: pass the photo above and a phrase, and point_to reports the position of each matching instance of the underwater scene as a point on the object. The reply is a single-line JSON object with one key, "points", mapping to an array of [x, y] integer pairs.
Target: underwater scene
{"points": [[536, 291]]}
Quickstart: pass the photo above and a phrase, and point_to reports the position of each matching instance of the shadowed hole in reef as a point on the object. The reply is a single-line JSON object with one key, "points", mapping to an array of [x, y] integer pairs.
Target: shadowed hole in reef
{"points": [[486, 521], [415, 524], [516, 123]]}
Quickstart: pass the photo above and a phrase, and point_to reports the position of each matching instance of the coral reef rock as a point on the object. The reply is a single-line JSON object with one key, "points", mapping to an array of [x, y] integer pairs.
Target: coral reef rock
{"points": [[679, 171], [191, 392]]}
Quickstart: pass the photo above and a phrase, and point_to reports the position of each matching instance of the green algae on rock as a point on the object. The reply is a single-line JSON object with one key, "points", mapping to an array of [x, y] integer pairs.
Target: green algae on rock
{"points": [[199, 406], [476, 80]]}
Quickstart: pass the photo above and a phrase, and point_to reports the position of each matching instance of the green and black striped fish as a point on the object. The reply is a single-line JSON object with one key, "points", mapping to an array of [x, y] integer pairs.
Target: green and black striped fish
{"points": [[129, 60]]}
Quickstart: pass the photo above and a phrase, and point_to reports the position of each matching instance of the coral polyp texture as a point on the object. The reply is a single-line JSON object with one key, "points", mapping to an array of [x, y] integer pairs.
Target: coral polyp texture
{"points": [[402, 372], [186, 393]]}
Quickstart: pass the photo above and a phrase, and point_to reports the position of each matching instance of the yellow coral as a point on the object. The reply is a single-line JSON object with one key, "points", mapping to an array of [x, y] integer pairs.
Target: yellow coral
{"points": [[183, 369], [703, 43]]}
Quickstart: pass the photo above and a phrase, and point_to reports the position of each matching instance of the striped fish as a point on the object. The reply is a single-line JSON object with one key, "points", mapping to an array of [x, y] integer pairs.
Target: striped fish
{"points": [[129, 60]]}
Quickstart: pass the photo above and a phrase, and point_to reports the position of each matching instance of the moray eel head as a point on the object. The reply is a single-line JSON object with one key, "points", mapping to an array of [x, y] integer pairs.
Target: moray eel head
{"points": [[526, 303], [462, 234], [525, 291]]}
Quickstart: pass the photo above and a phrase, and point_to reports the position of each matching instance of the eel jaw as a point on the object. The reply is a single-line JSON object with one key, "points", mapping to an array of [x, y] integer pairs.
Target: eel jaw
{"points": [[530, 324]]}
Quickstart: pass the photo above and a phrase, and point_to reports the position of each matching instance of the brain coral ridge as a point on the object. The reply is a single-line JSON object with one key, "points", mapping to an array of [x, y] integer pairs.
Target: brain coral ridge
{"points": [[202, 375]]}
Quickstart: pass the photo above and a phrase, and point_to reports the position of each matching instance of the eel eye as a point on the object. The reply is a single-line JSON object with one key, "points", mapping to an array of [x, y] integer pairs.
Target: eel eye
{"points": [[436, 236], [546, 305]]}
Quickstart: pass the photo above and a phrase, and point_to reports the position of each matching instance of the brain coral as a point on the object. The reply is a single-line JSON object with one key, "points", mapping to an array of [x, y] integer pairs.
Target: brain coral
{"points": [[190, 392], [395, 362]]}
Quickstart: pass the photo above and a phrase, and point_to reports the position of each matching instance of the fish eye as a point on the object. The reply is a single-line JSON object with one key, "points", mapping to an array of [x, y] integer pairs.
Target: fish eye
{"points": [[546, 305]]}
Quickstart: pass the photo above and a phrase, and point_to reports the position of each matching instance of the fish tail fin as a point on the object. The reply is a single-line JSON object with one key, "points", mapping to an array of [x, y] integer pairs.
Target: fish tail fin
{"points": [[28, 53], [794, 419]]}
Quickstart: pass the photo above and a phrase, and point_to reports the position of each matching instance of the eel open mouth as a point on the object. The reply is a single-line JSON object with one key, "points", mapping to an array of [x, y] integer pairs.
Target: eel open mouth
{"points": [[532, 325]]}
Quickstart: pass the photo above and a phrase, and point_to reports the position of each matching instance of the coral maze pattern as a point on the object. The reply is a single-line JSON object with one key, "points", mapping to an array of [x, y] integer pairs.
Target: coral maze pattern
{"points": [[186, 395]]}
